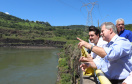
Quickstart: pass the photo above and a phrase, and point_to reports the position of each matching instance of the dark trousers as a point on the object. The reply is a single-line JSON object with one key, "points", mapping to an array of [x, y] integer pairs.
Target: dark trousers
{"points": [[117, 81]]}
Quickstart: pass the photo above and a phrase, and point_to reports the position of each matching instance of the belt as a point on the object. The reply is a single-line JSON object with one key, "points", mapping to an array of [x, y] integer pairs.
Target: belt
{"points": [[117, 81]]}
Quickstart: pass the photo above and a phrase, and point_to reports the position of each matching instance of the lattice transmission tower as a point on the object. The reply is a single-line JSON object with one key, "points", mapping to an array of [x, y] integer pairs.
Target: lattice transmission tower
{"points": [[89, 21]]}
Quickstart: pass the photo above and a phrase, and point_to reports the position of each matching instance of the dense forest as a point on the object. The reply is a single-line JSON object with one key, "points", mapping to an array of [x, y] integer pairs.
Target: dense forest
{"points": [[15, 31]]}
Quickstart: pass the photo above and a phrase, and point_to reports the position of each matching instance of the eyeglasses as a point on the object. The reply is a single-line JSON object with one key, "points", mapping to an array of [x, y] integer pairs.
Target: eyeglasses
{"points": [[120, 24]]}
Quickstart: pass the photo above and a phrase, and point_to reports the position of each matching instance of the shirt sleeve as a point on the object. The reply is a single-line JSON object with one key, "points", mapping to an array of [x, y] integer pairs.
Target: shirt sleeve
{"points": [[93, 55], [97, 62], [118, 49]]}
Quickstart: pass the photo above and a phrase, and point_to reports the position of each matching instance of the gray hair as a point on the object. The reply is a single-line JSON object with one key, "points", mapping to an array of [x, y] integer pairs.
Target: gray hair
{"points": [[118, 20], [109, 25]]}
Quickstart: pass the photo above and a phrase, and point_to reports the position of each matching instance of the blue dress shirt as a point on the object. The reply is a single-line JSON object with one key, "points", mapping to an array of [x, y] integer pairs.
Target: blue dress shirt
{"points": [[117, 64], [127, 34]]}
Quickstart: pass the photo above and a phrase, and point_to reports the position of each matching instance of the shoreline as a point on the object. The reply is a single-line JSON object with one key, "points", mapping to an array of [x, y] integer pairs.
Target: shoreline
{"points": [[32, 47], [35, 47]]}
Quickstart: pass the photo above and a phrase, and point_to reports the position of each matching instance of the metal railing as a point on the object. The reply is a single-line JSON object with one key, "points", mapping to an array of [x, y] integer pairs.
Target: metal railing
{"points": [[90, 71], [102, 78]]}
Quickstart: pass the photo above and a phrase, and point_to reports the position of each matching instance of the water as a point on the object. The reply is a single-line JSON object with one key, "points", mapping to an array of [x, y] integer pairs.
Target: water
{"points": [[28, 66]]}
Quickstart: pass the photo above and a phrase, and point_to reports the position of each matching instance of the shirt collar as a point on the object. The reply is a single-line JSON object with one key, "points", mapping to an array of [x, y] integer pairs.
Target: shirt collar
{"points": [[121, 32], [114, 38]]}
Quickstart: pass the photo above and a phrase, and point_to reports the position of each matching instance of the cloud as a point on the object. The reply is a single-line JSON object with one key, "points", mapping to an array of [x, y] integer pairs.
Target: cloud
{"points": [[7, 13]]}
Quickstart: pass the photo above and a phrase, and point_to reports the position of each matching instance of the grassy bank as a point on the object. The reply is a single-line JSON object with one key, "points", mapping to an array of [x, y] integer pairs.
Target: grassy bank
{"points": [[68, 72]]}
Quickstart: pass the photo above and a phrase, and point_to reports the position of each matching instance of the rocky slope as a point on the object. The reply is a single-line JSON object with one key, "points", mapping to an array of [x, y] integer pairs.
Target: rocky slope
{"points": [[18, 42]]}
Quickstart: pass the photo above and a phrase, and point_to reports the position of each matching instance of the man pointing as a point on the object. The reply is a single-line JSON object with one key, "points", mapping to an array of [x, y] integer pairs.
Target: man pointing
{"points": [[117, 55]]}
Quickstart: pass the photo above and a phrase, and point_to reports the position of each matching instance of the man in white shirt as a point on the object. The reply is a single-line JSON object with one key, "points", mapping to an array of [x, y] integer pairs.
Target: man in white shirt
{"points": [[95, 39]]}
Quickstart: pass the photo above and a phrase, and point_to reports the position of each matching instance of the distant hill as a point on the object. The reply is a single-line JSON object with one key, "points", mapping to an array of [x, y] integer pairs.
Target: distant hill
{"points": [[18, 23], [13, 28], [10, 17], [72, 27]]}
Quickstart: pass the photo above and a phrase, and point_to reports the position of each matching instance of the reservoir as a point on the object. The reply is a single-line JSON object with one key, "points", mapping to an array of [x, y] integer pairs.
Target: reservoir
{"points": [[28, 65]]}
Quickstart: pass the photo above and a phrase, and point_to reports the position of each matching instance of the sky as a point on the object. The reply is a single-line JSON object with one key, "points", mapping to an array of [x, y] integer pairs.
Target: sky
{"points": [[69, 12]]}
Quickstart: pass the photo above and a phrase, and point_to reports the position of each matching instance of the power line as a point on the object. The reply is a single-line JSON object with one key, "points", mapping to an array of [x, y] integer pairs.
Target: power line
{"points": [[89, 16], [61, 1]]}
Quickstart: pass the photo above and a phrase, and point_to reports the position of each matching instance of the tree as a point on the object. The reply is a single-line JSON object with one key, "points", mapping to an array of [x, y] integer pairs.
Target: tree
{"points": [[47, 24]]}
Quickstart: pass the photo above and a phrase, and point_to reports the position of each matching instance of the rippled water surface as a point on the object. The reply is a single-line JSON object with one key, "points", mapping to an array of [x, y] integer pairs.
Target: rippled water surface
{"points": [[28, 66]]}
